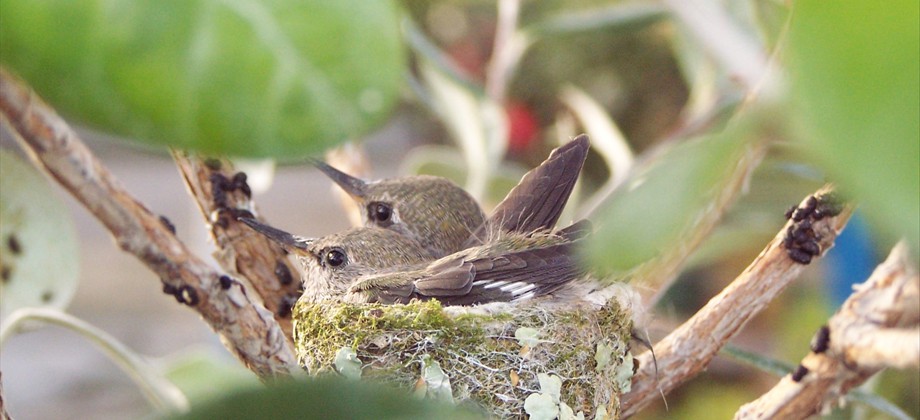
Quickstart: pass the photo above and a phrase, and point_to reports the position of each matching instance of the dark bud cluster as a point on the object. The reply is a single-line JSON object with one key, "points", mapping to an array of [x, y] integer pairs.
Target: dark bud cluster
{"points": [[799, 373], [821, 340], [225, 282], [185, 294], [801, 241], [168, 224], [220, 187], [239, 183]]}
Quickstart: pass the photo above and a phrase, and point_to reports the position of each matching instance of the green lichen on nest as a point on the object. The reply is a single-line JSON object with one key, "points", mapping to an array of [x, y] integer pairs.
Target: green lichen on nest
{"points": [[477, 352]]}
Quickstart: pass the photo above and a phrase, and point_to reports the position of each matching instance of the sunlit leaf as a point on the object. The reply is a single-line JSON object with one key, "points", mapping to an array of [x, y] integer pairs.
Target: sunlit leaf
{"points": [[39, 258], [284, 78], [660, 206], [854, 68]]}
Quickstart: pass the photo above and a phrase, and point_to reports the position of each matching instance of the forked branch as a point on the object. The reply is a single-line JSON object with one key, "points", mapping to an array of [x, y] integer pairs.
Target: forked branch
{"points": [[247, 329]]}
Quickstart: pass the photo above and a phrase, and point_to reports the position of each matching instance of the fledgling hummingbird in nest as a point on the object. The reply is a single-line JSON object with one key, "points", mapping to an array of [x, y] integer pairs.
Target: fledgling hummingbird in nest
{"points": [[331, 263], [513, 255]]}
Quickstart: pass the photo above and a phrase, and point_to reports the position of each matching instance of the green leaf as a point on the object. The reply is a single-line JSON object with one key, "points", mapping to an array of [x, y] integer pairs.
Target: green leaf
{"points": [[761, 362], [541, 407], [663, 201], [39, 258], [347, 363], [854, 68], [550, 385], [437, 382], [326, 398], [204, 373], [527, 336], [284, 78]]}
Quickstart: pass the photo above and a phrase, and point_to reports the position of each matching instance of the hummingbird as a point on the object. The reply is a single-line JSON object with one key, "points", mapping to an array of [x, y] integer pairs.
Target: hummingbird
{"points": [[446, 219], [332, 262], [429, 209], [512, 256], [512, 267]]}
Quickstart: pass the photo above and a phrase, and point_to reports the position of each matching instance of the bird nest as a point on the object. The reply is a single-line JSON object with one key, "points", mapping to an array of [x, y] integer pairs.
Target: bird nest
{"points": [[527, 360]]}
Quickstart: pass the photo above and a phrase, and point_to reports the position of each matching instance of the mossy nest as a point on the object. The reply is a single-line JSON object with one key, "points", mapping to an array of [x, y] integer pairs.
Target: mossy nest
{"points": [[530, 360]]}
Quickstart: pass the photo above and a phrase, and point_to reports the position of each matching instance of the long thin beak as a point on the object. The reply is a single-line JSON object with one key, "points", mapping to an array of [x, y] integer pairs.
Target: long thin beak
{"points": [[353, 186], [291, 242]]}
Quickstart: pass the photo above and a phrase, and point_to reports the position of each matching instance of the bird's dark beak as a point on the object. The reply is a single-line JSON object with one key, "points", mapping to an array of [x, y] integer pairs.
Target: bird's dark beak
{"points": [[353, 186], [288, 241]]}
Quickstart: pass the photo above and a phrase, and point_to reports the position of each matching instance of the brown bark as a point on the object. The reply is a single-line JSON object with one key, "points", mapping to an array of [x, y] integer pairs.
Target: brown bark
{"points": [[252, 258], [247, 329], [877, 327], [689, 349]]}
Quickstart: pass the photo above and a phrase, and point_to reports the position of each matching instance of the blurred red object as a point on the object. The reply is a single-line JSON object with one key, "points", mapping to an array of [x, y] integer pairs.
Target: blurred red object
{"points": [[522, 127]]}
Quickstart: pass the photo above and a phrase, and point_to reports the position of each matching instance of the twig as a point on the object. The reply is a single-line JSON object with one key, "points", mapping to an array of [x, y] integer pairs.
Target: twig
{"points": [[4, 415], [160, 392], [743, 59], [506, 50], [886, 305], [689, 349], [246, 328], [221, 195]]}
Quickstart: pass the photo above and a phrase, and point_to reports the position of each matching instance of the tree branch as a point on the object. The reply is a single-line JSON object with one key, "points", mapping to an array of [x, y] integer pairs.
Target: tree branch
{"points": [[684, 352], [878, 326], [222, 195], [246, 328]]}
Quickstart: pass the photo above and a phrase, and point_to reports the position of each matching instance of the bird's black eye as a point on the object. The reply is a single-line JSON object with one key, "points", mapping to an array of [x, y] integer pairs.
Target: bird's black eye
{"points": [[334, 258], [381, 213]]}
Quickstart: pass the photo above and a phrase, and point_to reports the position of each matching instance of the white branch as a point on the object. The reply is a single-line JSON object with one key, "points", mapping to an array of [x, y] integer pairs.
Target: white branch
{"points": [[886, 308]]}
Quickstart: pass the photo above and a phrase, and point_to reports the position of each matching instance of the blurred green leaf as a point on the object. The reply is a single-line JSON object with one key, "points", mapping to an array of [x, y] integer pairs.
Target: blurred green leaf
{"points": [[761, 362], [326, 398], [647, 216], [879, 403], [39, 258], [854, 68], [284, 78], [757, 216], [201, 374]]}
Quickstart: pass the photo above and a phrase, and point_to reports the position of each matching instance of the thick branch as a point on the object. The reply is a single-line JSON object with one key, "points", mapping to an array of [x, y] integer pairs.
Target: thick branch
{"points": [[886, 306], [689, 349], [222, 195], [246, 328]]}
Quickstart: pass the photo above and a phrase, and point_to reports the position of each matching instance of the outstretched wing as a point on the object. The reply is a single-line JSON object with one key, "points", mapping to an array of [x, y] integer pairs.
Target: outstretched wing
{"points": [[502, 277], [536, 202]]}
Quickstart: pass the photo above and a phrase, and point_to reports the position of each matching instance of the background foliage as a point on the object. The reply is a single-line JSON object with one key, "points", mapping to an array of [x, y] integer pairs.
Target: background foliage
{"points": [[287, 79]]}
